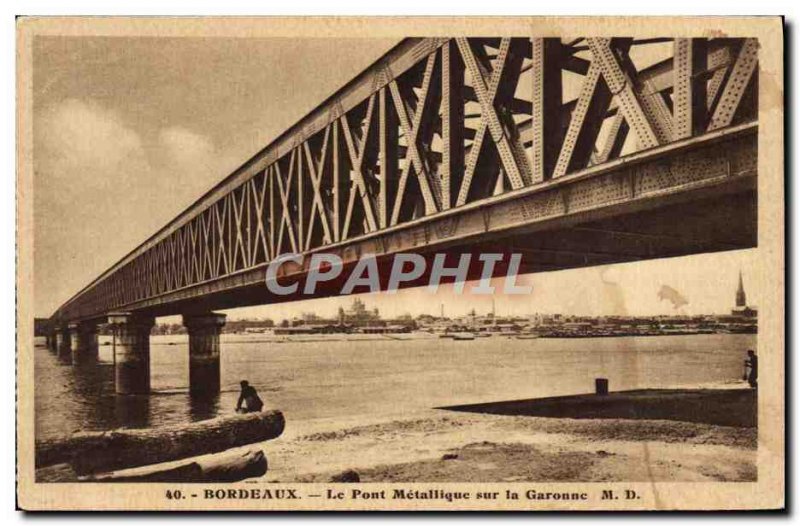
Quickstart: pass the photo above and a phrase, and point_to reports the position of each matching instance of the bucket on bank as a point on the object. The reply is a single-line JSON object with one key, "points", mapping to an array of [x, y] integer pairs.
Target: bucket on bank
{"points": [[601, 386]]}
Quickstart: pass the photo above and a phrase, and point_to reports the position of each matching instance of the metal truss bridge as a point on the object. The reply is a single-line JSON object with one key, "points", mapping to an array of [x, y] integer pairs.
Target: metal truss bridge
{"points": [[574, 152]]}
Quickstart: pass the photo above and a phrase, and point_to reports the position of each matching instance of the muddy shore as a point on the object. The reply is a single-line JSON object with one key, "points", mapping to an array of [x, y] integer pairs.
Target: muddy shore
{"points": [[644, 435]]}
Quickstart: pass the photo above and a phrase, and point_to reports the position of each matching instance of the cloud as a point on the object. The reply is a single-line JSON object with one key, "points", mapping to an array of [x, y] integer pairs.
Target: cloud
{"points": [[85, 139], [186, 149], [673, 296], [97, 172], [78, 139], [81, 145]]}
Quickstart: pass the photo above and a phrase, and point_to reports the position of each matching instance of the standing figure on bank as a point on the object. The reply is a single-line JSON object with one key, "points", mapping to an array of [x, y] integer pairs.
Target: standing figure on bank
{"points": [[751, 369], [249, 397]]}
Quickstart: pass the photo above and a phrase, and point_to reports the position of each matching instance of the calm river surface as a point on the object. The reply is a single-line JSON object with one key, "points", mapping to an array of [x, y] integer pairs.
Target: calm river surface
{"points": [[308, 380]]}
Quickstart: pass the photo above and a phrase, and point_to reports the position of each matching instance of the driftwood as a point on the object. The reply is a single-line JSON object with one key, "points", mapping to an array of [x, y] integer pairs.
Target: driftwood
{"points": [[96, 452], [56, 473], [224, 467], [232, 467], [189, 472], [346, 476]]}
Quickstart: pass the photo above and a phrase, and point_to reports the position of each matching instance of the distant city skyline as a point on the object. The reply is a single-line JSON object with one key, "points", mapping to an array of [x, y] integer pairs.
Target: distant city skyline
{"points": [[708, 282]]}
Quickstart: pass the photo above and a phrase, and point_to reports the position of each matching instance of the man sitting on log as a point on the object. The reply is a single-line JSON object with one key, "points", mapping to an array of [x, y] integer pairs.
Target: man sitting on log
{"points": [[249, 396]]}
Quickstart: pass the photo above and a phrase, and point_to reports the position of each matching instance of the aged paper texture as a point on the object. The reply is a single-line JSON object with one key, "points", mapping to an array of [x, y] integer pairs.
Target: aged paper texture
{"points": [[400, 263]]}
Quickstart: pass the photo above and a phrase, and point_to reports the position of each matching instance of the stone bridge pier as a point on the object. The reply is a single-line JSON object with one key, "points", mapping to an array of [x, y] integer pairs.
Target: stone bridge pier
{"points": [[132, 353], [63, 343], [51, 341], [83, 343], [204, 369]]}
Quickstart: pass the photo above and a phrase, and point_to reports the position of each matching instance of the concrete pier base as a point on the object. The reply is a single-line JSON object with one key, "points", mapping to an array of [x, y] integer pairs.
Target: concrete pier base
{"points": [[132, 353], [83, 338], [63, 343], [204, 370]]}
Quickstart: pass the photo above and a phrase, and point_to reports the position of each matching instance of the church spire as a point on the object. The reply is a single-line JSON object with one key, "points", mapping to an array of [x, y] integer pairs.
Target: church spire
{"points": [[741, 298]]}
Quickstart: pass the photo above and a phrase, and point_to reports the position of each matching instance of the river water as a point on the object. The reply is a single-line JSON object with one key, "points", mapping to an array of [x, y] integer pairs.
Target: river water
{"points": [[336, 378]]}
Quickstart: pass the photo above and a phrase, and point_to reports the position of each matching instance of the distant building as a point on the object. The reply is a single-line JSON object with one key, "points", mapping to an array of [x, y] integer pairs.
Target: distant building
{"points": [[742, 309], [41, 326], [359, 316]]}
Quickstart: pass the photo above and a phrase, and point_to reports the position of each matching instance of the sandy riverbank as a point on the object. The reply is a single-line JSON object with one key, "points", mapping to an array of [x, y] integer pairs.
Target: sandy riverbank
{"points": [[472, 444]]}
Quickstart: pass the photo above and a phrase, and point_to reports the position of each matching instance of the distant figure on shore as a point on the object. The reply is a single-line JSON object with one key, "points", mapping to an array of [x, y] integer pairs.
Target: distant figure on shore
{"points": [[751, 364], [252, 403]]}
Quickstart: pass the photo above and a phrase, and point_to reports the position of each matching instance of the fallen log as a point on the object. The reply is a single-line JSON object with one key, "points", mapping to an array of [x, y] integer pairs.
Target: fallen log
{"points": [[223, 467], [56, 473], [189, 472], [233, 467], [95, 452], [348, 475]]}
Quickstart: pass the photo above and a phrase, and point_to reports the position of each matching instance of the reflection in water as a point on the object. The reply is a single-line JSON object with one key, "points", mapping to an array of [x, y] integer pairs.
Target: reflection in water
{"points": [[337, 378], [203, 407], [65, 358], [90, 384], [91, 380], [83, 397], [132, 410]]}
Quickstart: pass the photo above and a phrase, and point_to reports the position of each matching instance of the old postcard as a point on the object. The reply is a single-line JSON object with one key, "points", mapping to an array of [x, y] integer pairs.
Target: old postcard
{"points": [[400, 263]]}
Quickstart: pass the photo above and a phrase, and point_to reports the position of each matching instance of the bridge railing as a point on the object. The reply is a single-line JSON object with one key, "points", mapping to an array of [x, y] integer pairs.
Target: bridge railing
{"points": [[435, 124]]}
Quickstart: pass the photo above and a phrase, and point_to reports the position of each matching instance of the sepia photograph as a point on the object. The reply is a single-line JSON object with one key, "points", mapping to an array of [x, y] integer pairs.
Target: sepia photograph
{"points": [[386, 264]]}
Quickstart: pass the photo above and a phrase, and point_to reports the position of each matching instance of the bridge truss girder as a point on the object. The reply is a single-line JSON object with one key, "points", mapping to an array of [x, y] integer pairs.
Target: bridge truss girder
{"points": [[435, 129]]}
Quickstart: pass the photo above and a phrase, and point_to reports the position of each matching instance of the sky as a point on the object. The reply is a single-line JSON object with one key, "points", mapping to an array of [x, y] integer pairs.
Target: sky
{"points": [[128, 132]]}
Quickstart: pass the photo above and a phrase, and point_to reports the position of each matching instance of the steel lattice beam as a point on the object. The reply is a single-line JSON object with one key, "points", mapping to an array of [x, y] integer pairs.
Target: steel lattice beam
{"points": [[425, 133]]}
